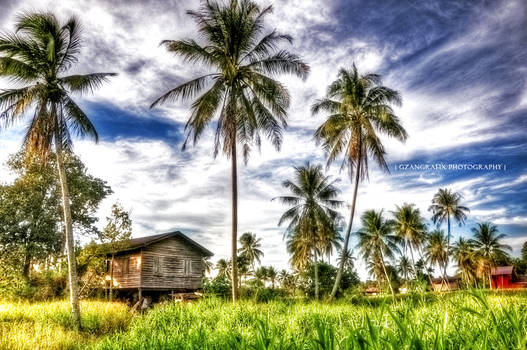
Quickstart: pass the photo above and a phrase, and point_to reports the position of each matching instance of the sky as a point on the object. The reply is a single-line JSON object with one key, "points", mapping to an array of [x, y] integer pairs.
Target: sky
{"points": [[461, 67]]}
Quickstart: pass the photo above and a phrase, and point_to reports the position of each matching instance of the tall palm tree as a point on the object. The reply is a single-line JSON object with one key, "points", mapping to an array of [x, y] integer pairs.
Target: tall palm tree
{"points": [[409, 226], [436, 251], [377, 240], [37, 55], [250, 247], [359, 108], [446, 205], [488, 246], [465, 256], [242, 90], [313, 219]]}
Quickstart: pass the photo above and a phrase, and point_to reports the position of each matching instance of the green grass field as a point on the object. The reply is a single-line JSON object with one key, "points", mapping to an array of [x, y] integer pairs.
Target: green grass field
{"points": [[462, 320]]}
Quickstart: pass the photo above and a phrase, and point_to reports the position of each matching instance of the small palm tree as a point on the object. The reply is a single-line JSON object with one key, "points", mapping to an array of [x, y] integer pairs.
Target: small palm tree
{"points": [[313, 219], [446, 205], [250, 247], [349, 259], [272, 275], [207, 265], [409, 226], [488, 247], [37, 56], [405, 268], [242, 90], [377, 241], [359, 108], [465, 256], [436, 251], [223, 268]]}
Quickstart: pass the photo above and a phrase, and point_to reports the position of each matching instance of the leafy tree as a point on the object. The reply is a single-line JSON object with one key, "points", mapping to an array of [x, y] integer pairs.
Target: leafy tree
{"points": [[116, 235], [446, 205], [524, 252], [487, 244], [377, 240], [30, 210], [37, 55], [359, 108], [326, 274], [313, 219], [250, 247], [242, 89]]}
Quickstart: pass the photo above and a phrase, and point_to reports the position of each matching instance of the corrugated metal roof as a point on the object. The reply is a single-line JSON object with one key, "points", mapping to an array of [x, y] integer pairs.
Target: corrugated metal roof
{"points": [[501, 270], [136, 243]]}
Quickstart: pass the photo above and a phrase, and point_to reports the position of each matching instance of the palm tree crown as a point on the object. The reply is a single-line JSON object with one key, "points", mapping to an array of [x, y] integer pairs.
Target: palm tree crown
{"points": [[37, 55], [242, 90], [487, 242], [313, 220], [446, 205], [250, 247], [436, 250]]}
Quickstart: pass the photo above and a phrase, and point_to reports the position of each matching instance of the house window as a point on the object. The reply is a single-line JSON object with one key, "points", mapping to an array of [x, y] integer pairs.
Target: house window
{"points": [[126, 265], [158, 268], [187, 267]]}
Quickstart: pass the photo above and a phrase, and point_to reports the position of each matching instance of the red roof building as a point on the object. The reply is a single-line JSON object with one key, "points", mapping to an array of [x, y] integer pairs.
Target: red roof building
{"points": [[503, 277]]}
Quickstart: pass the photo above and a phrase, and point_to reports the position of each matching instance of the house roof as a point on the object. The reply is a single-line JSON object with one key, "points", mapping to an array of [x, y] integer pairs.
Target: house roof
{"points": [[449, 279], [501, 270], [136, 243]]}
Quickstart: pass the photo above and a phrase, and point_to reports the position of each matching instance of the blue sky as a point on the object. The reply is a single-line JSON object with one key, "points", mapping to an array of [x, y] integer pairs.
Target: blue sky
{"points": [[461, 67]]}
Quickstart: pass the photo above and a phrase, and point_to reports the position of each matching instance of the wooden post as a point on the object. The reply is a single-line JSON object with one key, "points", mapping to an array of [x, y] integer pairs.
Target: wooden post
{"points": [[140, 293]]}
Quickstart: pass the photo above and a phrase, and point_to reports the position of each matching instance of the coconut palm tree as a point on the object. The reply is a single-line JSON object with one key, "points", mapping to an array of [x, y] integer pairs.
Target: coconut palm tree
{"points": [[37, 56], [250, 247], [359, 108], [242, 91], [207, 265], [409, 226], [446, 205], [349, 259], [405, 268], [223, 268], [272, 274], [465, 256], [313, 219], [436, 251], [488, 246], [377, 241]]}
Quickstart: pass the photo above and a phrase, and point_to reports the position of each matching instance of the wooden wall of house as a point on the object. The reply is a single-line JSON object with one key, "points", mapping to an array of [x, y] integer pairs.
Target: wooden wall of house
{"points": [[127, 270], [172, 264]]}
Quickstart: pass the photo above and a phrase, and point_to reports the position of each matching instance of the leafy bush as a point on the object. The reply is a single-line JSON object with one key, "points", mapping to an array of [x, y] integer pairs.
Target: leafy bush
{"points": [[219, 286]]}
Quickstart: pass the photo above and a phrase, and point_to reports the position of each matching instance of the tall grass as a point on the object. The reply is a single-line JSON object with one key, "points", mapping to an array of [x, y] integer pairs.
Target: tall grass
{"points": [[470, 320], [48, 325], [461, 320]]}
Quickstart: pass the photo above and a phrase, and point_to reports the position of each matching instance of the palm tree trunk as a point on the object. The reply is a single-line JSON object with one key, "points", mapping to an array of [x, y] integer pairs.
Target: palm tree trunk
{"points": [[348, 230], [413, 261], [68, 228], [234, 178], [111, 278], [447, 251], [386, 274], [316, 277]]}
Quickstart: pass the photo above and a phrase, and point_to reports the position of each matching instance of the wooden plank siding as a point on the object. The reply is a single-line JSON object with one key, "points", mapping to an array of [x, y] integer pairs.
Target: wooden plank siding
{"points": [[171, 264], [127, 270]]}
